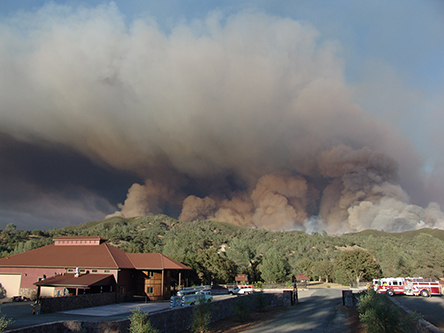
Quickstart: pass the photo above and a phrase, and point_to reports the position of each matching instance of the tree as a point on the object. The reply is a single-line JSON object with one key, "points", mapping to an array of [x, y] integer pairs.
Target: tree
{"points": [[10, 227], [139, 322], [429, 256], [323, 269], [273, 267], [241, 255], [210, 266], [392, 261], [304, 266], [201, 317], [355, 265], [2, 291]]}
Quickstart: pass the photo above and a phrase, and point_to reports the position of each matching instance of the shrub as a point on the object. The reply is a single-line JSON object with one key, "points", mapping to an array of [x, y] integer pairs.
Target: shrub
{"points": [[4, 322], [380, 315], [201, 318], [241, 308], [261, 301], [139, 323], [2, 291]]}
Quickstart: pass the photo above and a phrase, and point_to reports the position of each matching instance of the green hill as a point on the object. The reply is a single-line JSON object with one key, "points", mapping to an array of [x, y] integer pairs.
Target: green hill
{"points": [[219, 250]]}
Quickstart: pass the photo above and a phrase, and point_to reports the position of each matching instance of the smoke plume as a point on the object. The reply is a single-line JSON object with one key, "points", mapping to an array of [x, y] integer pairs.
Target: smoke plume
{"points": [[245, 119]]}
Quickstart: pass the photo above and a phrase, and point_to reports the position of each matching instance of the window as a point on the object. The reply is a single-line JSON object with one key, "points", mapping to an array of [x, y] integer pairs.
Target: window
{"points": [[149, 290], [70, 270], [106, 271], [94, 271], [150, 274]]}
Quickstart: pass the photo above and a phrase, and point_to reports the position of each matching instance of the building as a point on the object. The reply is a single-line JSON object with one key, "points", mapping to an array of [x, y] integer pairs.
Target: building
{"points": [[87, 264]]}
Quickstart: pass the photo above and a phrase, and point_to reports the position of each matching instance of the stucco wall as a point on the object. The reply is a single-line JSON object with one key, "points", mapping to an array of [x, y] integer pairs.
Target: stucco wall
{"points": [[31, 275]]}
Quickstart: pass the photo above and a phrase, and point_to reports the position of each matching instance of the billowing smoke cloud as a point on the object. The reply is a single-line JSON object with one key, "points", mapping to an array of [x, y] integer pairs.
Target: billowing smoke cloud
{"points": [[245, 119]]}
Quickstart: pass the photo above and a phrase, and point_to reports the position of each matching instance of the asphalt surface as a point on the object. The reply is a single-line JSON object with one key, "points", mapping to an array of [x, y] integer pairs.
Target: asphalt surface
{"points": [[318, 310], [21, 313], [431, 308]]}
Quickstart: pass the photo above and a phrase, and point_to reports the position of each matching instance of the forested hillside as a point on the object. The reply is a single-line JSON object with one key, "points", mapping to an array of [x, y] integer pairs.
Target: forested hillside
{"points": [[218, 251]]}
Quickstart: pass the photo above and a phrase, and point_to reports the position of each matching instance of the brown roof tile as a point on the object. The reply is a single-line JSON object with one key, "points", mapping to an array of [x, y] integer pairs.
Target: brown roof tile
{"points": [[103, 256], [154, 261], [97, 256], [83, 280]]}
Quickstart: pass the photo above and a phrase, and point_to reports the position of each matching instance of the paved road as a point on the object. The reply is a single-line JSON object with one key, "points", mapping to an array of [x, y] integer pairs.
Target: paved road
{"points": [[431, 308], [22, 315], [21, 312], [319, 310]]}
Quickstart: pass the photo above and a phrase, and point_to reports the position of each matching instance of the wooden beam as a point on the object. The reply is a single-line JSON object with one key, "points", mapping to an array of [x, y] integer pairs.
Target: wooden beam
{"points": [[163, 277]]}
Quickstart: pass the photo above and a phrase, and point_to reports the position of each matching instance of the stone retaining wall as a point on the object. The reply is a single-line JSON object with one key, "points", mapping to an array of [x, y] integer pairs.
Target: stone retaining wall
{"points": [[66, 303], [168, 321]]}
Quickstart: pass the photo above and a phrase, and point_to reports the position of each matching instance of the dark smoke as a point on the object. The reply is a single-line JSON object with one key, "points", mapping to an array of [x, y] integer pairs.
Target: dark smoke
{"points": [[249, 121]]}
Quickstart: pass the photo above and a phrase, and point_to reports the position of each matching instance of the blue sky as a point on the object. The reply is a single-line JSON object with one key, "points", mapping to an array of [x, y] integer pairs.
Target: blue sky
{"points": [[382, 63]]}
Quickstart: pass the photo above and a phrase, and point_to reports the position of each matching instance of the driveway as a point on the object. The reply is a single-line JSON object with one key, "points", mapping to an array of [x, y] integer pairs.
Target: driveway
{"points": [[22, 315], [431, 308], [319, 310]]}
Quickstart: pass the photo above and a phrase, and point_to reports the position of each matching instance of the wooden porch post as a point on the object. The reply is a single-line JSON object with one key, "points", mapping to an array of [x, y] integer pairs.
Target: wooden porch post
{"points": [[180, 279], [163, 277]]}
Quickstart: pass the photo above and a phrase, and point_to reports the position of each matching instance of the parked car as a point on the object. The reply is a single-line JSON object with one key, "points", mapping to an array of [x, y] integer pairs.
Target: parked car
{"points": [[241, 290]]}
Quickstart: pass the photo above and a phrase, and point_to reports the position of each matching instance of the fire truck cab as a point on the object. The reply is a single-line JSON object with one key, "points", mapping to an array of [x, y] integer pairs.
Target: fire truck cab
{"points": [[389, 286]]}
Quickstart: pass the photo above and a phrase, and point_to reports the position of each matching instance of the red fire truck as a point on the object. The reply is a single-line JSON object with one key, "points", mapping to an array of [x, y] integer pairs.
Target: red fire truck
{"points": [[421, 286], [407, 286]]}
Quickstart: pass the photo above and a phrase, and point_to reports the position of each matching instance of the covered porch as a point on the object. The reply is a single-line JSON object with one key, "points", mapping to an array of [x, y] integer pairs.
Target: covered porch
{"points": [[78, 284]]}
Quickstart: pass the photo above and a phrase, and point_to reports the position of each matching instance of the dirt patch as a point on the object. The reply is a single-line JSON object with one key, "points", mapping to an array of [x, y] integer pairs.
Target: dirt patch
{"points": [[234, 325], [353, 323]]}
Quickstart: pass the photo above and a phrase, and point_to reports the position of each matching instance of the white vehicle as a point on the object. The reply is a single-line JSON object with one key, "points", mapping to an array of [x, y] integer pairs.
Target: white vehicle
{"points": [[192, 290], [242, 289], [191, 296]]}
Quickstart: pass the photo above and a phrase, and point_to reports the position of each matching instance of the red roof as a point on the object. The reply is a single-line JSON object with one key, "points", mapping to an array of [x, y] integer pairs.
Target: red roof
{"points": [[83, 280], [101, 256], [154, 261], [302, 277]]}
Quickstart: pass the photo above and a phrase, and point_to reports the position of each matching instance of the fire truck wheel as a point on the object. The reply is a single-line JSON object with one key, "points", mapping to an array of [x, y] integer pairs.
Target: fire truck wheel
{"points": [[390, 292], [425, 293]]}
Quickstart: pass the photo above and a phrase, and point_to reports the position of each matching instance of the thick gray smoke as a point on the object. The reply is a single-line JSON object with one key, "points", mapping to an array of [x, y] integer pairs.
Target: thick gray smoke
{"points": [[246, 119]]}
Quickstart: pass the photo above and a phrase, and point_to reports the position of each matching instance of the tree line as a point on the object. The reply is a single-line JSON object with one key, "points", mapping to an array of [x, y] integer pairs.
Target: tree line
{"points": [[219, 251]]}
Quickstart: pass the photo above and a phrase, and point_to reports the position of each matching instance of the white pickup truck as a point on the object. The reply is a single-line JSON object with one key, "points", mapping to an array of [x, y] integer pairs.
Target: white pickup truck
{"points": [[241, 290]]}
